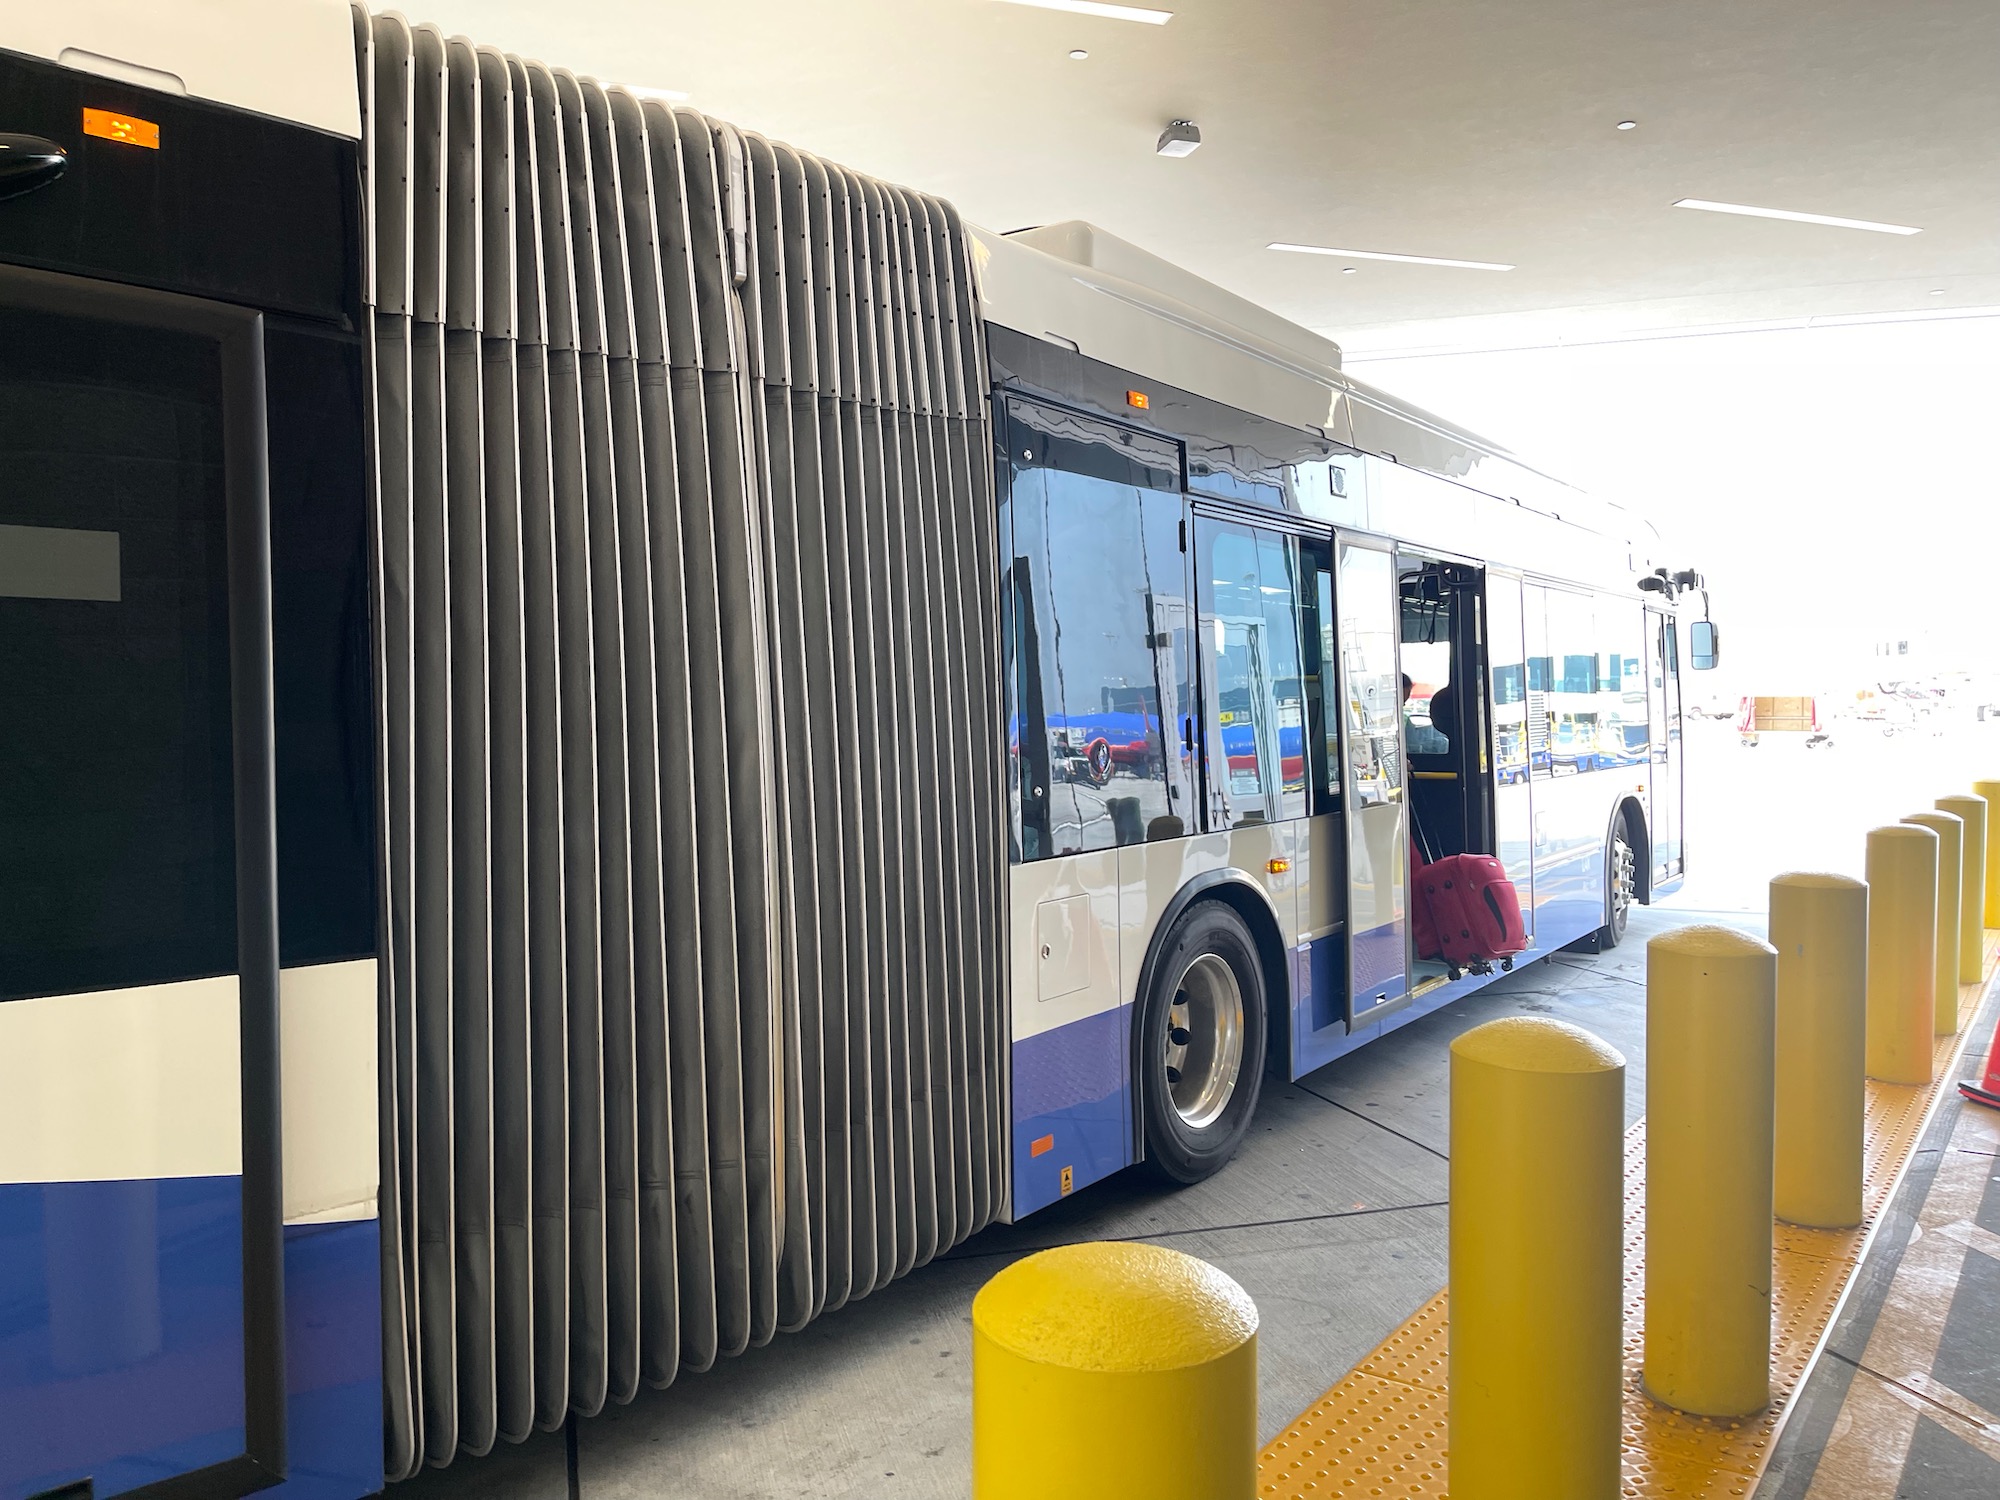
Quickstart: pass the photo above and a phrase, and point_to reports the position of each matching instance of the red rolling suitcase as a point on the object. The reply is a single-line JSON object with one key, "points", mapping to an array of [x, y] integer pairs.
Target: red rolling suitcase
{"points": [[1467, 912]]}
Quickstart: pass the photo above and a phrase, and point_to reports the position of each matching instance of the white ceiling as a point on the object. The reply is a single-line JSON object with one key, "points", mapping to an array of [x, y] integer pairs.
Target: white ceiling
{"points": [[1476, 131]]}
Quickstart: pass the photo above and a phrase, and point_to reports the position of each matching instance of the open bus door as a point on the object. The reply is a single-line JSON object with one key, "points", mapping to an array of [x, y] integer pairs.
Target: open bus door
{"points": [[1374, 777]]}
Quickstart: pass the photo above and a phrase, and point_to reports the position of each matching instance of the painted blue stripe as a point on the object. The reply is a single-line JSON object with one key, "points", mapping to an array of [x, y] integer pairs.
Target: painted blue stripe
{"points": [[121, 1331], [333, 1361], [1070, 1085]]}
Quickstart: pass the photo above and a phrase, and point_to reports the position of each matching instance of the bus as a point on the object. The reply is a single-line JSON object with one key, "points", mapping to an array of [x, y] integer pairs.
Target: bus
{"points": [[619, 734]]}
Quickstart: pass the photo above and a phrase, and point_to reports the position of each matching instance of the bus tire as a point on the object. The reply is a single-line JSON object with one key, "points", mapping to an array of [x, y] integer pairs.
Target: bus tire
{"points": [[1621, 882], [1201, 1044]]}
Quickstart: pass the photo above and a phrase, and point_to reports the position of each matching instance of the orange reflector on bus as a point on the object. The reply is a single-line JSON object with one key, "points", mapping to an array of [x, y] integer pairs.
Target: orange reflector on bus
{"points": [[125, 129], [1138, 399], [1040, 1144], [1277, 866]]}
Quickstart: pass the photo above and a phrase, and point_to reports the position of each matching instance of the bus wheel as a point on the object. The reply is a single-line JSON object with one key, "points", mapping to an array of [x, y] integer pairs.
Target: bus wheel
{"points": [[1202, 1044], [1621, 884]]}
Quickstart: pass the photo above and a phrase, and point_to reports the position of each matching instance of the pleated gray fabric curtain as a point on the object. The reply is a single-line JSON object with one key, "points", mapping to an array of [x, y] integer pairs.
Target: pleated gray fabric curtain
{"points": [[688, 686]]}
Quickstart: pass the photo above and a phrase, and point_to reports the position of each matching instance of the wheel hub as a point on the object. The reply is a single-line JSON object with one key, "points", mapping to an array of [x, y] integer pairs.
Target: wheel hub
{"points": [[1204, 1055], [1624, 880]]}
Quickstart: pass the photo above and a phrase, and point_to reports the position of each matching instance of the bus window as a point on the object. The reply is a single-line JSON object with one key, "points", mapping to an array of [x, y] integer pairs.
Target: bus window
{"points": [[1573, 698], [1099, 618], [118, 799], [1540, 716], [1622, 687], [1426, 659], [1321, 677], [1256, 748]]}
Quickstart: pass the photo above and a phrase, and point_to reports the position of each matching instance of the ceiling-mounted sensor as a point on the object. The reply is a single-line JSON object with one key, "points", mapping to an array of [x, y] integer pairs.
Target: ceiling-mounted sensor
{"points": [[1179, 138]]}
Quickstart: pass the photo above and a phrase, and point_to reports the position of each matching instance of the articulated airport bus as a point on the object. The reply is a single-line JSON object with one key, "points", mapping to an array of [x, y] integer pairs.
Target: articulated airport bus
{"points": [[617, 734]]}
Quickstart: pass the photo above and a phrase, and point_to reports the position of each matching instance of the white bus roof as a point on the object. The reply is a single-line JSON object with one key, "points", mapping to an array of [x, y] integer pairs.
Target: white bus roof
{"points": [[289, 59], [1079, 287]]}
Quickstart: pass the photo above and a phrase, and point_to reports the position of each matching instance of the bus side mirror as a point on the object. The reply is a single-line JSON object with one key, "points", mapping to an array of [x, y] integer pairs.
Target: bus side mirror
{"points": [[1704, 645]]}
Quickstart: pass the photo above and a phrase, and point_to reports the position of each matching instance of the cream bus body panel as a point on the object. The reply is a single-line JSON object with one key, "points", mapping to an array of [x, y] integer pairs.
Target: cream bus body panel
{"points": [[289, 59], [1081, 927]]}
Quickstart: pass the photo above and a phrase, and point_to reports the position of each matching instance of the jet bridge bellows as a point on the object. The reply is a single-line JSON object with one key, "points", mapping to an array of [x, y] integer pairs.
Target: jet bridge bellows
{"points": [[688, 670]]}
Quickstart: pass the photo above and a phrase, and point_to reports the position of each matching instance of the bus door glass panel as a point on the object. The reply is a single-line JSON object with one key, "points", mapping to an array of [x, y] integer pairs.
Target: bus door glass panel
{"points": [[1621, 687], [1320, 861], [1254, 695], [121, 1188], [1540, 714], [1668, 855], [1426, 617], [1101, 635], [1573, 807], [1513, 813], [1378, 835]]}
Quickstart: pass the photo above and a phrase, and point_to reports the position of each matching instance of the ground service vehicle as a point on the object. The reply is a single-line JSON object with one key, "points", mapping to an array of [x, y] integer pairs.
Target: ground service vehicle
{"points": [[618, 734], [1759, 716]]}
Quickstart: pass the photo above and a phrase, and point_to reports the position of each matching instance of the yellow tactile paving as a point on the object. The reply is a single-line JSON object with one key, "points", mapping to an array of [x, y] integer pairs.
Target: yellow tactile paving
{"points": [[1380, 1431]]}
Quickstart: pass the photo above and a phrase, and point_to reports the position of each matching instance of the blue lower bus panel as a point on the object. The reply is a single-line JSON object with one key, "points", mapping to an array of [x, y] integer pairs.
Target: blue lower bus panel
{"points": [[333, 1361], [121, 1331], [1073, 1102]]}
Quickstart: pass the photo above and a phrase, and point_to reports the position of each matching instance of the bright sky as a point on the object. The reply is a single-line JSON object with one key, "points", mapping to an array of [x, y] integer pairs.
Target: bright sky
{"points": [[1839, 485]]}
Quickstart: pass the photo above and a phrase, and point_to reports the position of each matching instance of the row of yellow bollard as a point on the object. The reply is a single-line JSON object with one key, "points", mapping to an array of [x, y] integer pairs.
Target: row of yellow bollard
{"points": [[1756, 1058], [1127, 1369]]}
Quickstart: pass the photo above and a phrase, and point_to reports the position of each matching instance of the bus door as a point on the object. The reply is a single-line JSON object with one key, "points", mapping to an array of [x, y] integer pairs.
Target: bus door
{"points": [[1373, 780], [1663, 710], [140, 1239]]}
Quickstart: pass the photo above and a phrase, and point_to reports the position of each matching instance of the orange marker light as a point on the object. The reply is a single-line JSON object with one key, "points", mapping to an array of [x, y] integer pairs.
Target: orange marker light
{"points": [[125, 129], [1040, 1144], [1138, 399], [1277, 866]]}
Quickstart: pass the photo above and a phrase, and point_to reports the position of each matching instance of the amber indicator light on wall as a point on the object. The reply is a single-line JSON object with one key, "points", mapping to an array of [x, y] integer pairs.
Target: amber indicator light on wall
{"points": [[125, 129]]}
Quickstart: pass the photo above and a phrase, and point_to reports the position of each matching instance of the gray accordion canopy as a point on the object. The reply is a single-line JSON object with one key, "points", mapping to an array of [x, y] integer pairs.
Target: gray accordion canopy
{"points": [[688, 684]]}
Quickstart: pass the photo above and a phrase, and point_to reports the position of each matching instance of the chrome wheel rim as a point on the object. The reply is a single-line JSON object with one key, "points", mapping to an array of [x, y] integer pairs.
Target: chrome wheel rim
{"points": [[1204, 1041], [1624, 880]]}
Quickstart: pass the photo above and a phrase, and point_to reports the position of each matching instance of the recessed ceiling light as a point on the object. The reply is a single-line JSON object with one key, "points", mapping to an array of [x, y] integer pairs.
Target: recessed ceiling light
{"points": [[1414, 260], [644, 91], [1137, 13], [1785, 213], [1628, 124], [1077, 54]]}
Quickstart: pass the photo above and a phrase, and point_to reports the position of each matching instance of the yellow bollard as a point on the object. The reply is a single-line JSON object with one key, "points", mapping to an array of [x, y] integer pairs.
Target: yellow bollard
{"points": [[1902, 951], [1944, 961], [1989, 793], [1819, 925], [1537, 1123], [1971, 811], [1113, 1369], [1711, 1003]]}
